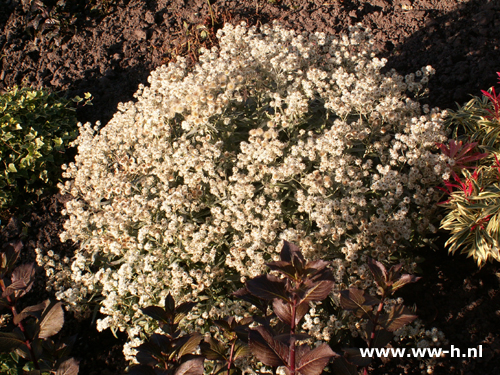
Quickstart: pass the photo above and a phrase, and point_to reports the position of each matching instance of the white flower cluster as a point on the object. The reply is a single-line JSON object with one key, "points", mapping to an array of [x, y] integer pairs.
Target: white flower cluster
{"points": [[275, 136]]}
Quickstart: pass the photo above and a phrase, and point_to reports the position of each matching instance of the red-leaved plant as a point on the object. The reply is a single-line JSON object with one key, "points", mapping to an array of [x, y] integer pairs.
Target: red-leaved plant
{"points": [[34, 324], [286, 297], [381, 324]]}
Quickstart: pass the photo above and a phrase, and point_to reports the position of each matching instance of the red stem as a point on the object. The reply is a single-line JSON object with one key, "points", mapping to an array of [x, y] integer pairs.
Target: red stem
{"points": [[291, 361], [20, 325], [231, 357]]}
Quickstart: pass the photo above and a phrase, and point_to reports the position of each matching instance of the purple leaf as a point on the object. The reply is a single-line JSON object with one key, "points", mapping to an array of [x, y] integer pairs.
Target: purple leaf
{"points": [[245, 295], [9, 257], [22, 281], [313, 362], [403, 280], [213, 349], [52, 321], [283, 311], [397, 317], [354, 299], [241, 351], [353, 355], [191, 344], [35, 310], [269, 351], [10, 341], [382, 336], [285, 337], [169, 304], [379, 272], [156, 313], [316, 291], [191, 367], [68, 367], [286, 268], [268, 287], [289, 251], [341, 367]]}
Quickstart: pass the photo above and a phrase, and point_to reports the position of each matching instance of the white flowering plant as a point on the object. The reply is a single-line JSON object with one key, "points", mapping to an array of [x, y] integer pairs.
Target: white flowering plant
{"points": [[190, 189]]}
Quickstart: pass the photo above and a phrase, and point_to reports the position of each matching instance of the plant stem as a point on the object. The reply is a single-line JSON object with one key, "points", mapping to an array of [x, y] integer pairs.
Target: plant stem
{"points": [[291, 361], [231, 357], [21, 326]]}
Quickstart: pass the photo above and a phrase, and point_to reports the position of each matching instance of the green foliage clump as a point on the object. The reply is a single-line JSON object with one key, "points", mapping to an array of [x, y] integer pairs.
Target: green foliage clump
{"points": [[473, 206], [36, 128]]}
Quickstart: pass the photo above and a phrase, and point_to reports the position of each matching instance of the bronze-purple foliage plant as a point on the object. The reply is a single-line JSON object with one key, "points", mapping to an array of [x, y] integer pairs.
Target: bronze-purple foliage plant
{"points": [[170, 353], [380, 323], [301, 283], [286, 297], [34, 324]]}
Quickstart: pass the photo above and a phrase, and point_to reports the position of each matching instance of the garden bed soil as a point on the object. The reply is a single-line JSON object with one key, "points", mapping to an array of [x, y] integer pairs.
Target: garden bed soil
{"points": [[110, 54]]}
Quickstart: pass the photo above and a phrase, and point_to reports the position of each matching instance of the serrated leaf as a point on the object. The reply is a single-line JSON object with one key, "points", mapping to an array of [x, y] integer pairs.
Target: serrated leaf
{"points": [[313, 362], [397, 317], [10, 341], [182, 310], [283, 311], [291, 251], [267, 350], [169, 304], [240, 351], [354, 299], [141, 370], [52, 321], [341, 367], [379, 272], [316, 291], [35, 311], [353, 355], [403, 280], [68, 367], [213, 350], [286, 268], [190, 345], [193, 366], [268, 287], [156, 313]]}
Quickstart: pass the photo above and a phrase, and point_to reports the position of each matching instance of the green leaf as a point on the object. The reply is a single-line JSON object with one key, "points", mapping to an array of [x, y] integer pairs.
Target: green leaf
{"points": [[12, 168]]}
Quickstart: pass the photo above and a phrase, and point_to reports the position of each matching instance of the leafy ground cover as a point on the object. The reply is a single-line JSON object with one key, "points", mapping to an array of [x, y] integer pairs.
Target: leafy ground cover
{"points": [[108, 50]]}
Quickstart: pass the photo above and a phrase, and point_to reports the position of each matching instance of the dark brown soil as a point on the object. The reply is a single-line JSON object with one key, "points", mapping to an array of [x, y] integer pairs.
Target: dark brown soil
{"points": [[109, 54]]}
